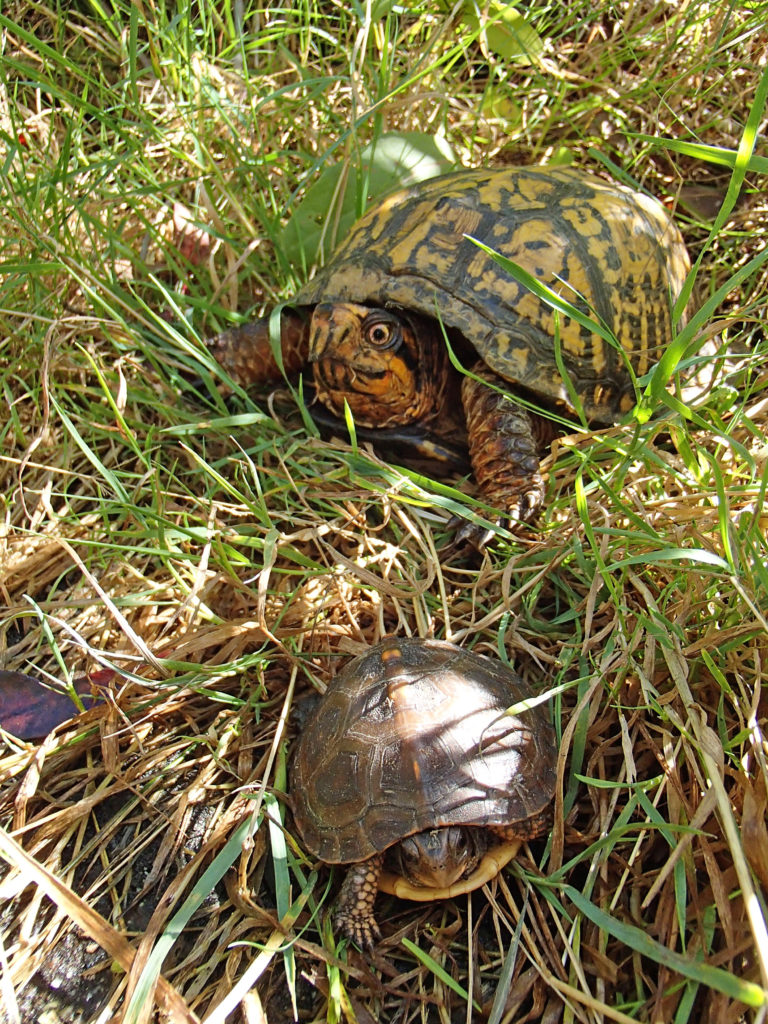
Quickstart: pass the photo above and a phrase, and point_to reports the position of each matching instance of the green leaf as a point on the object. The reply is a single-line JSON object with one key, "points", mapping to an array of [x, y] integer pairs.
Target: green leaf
{"points": [[698, 555], [504, 31], [199, 892], [272, 811], [659, 377], [342, 193]]}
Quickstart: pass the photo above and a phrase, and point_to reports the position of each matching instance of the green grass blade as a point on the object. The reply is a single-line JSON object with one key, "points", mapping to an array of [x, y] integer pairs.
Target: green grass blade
{"points": [[640, 941]]}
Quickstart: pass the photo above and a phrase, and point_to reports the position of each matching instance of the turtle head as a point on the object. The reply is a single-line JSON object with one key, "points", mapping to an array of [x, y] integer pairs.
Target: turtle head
{"points": [[438, 857], [381, 362]]}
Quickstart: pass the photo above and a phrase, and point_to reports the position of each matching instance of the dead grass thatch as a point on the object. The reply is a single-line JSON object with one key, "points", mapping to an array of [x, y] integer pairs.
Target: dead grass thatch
{"points": [[202, 562]]}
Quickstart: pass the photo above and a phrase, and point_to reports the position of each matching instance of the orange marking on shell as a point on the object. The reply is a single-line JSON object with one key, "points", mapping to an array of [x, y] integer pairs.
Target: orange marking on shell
{"points": [[391, 654]]}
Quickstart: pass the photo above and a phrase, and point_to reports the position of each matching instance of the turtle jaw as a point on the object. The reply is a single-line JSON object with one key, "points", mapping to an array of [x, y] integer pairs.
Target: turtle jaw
{"points": [[369, 359], [438, 857]]}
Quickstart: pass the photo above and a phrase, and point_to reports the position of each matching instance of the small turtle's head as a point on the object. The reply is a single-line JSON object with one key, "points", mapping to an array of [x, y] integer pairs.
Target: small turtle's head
{"points": [[381, 362], [438, 857]]}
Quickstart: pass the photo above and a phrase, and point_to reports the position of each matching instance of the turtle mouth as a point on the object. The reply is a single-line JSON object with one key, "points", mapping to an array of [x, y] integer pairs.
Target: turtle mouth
{"points": [[374, 395], [439, 857], [339, 375]]}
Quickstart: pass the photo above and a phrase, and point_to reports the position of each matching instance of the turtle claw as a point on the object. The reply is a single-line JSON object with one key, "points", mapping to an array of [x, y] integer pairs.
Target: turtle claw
{"points": [[503, 447], [469, 535], [363, 931], [472, 535]]}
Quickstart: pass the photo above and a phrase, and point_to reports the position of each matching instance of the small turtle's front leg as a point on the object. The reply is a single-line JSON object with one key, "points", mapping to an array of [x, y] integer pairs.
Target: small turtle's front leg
{"points": [[504, 443], [354, 909], [247, 354]]}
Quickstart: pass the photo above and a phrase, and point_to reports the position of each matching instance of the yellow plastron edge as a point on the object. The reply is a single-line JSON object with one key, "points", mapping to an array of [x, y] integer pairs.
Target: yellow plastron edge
{"points": [[490, 865]]}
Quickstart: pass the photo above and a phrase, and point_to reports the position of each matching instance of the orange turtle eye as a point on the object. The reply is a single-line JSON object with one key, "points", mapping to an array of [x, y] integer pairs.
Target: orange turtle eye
{"points": [[382, 331]]}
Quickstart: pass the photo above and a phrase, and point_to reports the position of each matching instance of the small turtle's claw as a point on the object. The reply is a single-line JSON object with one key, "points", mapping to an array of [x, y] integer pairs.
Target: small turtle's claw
{"points": [[363, 931]]}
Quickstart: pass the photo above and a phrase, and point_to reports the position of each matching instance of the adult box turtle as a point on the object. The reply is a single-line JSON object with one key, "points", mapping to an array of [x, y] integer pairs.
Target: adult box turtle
{"points": [[371, 322], [414, 774]]}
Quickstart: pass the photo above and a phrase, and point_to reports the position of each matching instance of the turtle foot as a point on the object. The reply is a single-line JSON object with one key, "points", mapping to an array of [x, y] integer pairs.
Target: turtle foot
{"points": [[354, 911]]}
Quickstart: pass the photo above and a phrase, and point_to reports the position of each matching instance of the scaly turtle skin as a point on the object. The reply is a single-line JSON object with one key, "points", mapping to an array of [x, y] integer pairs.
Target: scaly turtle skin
{"points": [[412, 773], [370, 321]]}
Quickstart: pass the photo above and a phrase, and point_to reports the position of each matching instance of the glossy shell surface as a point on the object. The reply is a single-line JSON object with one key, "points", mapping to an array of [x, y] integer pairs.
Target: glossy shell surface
{"points": [[611, 251], [414, 735]]}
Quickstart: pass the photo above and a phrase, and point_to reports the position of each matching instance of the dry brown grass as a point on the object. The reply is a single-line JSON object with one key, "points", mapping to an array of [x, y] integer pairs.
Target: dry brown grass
{"points": [[201, 585]]}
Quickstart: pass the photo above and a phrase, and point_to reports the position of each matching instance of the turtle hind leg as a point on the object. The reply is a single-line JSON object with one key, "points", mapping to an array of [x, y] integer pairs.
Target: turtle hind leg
{"points": [[504, 444], [354, 909], [247, 354]]}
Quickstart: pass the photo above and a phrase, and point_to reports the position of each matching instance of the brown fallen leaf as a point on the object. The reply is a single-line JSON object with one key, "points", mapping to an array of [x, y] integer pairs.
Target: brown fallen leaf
{"points": [[754, 831], [30, 708], [192, 241]]}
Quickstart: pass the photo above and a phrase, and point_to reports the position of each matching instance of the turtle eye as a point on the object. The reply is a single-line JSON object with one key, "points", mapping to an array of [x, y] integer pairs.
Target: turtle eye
{"points": [[382, 333]]}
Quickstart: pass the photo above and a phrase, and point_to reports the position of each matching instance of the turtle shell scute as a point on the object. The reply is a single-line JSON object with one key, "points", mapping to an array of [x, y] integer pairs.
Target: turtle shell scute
{"points": [[613, 253], [414, 735]]}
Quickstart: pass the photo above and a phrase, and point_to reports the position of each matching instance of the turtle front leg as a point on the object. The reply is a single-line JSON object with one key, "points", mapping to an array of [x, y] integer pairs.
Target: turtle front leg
{"points": [[354, 910], [247, 355], [503, 446]]}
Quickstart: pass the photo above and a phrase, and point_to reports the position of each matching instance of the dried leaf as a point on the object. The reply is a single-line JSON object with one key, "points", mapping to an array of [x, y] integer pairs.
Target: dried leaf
{"points": [[193, 242], [30, 709], [754, 832]]}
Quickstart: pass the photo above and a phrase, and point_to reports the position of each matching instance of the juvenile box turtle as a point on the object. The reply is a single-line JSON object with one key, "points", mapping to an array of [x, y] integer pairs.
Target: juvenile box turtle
{"points": [[412, 773], [370, 323]]}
